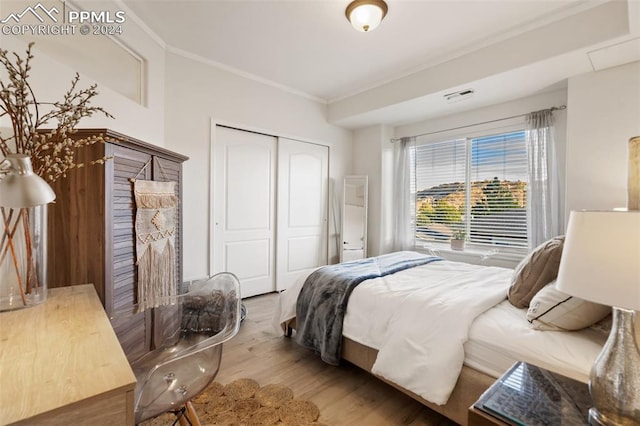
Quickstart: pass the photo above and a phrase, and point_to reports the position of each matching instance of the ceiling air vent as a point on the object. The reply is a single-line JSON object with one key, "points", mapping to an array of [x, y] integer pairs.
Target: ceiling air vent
{"points": [[458, 96]]}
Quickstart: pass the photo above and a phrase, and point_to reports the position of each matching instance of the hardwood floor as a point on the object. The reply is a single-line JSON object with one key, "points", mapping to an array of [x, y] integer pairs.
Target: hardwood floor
{"points": [[346, 395]]}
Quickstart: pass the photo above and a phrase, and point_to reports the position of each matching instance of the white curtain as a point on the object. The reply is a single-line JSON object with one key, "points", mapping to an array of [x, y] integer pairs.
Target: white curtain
{"points": [[404, 205], [543, 193]]}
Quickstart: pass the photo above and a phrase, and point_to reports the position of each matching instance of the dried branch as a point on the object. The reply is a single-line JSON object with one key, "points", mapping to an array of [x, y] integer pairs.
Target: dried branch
{"points": [[52, 153]]}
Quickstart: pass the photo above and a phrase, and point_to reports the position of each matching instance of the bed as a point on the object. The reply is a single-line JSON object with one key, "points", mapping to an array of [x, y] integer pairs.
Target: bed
{"points": [[441, 331]]}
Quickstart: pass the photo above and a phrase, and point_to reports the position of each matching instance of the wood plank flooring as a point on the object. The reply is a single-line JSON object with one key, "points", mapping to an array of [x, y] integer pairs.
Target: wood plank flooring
{"points": [[346, 395]]}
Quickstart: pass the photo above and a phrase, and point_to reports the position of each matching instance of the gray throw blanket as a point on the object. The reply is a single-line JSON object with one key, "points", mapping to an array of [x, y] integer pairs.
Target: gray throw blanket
{"points": [[322, 302]]}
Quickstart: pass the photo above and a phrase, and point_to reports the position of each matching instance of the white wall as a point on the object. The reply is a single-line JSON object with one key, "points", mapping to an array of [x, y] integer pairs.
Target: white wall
{"points": [[51, 79], [368, 146], [603, 114], [197, 94]]}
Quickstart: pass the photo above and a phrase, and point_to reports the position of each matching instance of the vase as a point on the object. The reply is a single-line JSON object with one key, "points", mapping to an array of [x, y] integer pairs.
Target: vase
{"points": [[457, 244], [23, 257]]}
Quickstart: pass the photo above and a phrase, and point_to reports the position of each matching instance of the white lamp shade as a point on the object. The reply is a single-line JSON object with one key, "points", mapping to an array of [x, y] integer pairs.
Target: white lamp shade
{"points": [[20, 187], [601, 258], [366, 15]]}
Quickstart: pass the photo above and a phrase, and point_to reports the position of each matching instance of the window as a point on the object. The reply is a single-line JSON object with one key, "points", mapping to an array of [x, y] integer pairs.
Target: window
{"points": [[474, 185]]}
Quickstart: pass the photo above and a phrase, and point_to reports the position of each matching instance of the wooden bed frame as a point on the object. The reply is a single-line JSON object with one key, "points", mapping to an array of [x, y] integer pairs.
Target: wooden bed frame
{"points": [[470, 385]]}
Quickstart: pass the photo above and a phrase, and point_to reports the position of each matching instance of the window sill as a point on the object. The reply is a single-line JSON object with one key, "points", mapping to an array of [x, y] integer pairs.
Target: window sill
{"points": [[474, 254]]}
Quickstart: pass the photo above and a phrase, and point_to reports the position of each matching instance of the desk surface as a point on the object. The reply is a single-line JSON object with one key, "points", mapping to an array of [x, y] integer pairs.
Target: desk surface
{"points": [[59, 353]]}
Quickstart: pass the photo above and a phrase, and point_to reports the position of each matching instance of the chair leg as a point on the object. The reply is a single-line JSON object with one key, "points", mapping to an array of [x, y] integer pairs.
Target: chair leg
{"points": [[190, 417]]}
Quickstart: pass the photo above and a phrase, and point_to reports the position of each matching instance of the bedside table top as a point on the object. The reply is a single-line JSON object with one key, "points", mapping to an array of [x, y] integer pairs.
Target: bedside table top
{"points": [[530, 395]]}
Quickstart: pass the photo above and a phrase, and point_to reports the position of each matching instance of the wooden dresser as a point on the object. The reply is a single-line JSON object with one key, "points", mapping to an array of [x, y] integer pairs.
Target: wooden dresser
{"points": [[91, 234], [61, 363]]}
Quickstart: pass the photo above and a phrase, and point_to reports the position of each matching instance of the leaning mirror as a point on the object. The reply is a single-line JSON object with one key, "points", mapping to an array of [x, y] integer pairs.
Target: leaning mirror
{"points": [[354, 218]]}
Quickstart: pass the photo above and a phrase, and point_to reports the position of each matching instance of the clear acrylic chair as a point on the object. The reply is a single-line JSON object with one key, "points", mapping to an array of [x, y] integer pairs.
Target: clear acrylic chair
{"points": [[189, 331]]}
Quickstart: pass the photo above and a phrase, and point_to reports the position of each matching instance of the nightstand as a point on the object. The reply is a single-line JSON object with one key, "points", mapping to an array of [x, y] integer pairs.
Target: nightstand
{"points": [[530, 395]]}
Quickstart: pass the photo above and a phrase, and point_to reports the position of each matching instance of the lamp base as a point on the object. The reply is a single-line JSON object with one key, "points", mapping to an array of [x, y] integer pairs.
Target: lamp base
{"points": [[594, 418], [615, 376], [597, 419]]}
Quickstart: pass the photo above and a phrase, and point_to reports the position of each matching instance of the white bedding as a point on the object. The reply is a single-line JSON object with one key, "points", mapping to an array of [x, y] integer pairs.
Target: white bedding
{"points": [[391, 314], [427, 322]]}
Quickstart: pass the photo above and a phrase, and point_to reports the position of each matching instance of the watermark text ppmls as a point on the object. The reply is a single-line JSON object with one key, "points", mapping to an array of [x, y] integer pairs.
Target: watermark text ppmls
{"points": [[39, 19]]}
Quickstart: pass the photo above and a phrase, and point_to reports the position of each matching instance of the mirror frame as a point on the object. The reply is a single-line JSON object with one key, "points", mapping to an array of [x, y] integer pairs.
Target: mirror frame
{"points": [[364, 179]]}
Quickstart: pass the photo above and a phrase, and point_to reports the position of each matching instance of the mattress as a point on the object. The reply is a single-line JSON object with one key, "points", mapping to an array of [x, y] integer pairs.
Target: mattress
{"points": [[502, 335]]}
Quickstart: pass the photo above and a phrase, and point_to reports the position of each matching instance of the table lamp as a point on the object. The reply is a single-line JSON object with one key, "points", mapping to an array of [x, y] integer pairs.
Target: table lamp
{"points": [[21, 187], [601, 263]]}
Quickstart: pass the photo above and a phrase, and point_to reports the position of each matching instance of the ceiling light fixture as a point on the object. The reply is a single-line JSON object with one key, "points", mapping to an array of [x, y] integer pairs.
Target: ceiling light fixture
{"points": [[366, 15]]}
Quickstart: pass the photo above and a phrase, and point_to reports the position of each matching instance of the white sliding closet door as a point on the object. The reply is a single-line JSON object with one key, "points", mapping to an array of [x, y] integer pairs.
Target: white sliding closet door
{"points": [[303, 177], [244, 201]]}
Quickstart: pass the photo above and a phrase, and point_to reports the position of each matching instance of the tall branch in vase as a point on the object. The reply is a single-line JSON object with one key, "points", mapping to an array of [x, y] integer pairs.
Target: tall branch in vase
{"points": [[52, 152]]}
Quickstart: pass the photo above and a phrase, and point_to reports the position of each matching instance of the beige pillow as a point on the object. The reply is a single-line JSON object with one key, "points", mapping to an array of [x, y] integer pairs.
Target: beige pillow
{"points": [[552, 309], [535, 271], [603, 326]]}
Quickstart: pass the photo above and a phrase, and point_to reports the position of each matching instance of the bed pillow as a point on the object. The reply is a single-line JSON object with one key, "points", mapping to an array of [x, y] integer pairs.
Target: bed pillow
{"points": [[603, 327], [535, 271], [552, 309]]}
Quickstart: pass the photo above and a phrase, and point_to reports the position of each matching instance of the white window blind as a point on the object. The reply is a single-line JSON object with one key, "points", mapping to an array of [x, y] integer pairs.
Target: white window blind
{"points": [[474, 186]]}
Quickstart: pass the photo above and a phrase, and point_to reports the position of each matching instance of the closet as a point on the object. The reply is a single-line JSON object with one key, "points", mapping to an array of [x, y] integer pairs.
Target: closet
{"points": [[91, 226], [270, 208]]}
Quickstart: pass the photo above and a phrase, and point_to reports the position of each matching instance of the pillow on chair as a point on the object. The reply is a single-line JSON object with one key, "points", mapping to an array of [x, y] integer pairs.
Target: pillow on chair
{"points": [[203, 313], [535, 271]]}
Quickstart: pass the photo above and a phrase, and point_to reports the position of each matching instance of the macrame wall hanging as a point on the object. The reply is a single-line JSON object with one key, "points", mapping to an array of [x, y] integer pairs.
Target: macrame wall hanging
{"points": [[156, 204]]}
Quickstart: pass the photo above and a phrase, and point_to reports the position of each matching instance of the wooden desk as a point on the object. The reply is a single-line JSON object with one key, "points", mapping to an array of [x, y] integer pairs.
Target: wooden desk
{"points": [[61, 363]]}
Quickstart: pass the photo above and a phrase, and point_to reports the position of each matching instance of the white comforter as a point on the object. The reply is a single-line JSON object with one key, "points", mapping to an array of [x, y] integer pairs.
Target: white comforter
{"points": [[418, 319]]}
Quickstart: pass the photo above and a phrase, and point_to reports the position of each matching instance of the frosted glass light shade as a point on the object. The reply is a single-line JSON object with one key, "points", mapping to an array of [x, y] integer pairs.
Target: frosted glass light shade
{"points": [[366, 15], [21, 187], [601, 258]]}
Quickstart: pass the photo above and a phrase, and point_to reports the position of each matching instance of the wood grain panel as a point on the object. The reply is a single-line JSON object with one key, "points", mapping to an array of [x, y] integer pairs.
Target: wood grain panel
{"points": [[104, 411], [61, 363], [76, 242], [134, 334]]}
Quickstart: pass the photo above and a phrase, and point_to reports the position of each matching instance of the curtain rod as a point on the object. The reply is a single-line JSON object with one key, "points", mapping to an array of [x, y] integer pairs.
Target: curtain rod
{"points": [[555, 108]]}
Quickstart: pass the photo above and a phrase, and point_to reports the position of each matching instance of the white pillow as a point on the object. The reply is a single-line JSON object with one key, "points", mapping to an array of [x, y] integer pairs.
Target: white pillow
{"points": [[551, 309]]}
